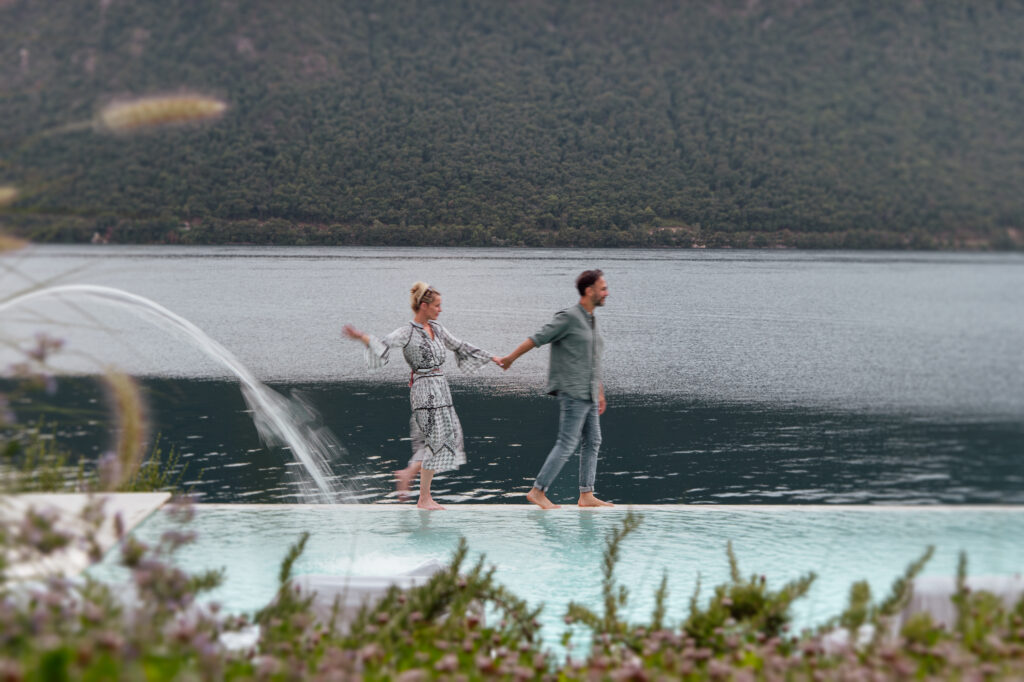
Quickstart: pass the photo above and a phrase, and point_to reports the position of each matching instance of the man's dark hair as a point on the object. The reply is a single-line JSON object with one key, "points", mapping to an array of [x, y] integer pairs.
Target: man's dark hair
{"points": [[587, 279]]}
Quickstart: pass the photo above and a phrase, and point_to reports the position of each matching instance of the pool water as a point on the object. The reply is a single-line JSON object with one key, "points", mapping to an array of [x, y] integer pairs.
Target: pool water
{"points": [[555, 557]]}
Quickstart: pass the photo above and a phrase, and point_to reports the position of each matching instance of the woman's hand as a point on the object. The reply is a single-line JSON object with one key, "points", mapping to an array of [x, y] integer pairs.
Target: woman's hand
{"points": [[496, 360], [522, 348], [353, 333]]}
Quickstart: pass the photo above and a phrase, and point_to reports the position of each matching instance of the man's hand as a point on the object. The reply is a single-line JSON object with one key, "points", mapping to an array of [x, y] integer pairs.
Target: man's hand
{"points": [[524, 347], [601, 404]]}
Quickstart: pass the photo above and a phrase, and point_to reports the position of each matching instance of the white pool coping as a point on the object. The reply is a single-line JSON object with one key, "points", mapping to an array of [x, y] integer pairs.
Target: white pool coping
{"points": [[134, 508], [719, 508], [66, 510]]}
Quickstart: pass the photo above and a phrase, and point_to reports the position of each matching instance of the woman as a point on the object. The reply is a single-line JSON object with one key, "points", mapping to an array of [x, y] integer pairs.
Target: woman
{"points": [[435, 429]]}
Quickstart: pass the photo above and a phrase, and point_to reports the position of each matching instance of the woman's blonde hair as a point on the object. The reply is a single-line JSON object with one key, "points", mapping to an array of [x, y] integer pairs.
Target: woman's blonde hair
{"points": [[421, 292]]}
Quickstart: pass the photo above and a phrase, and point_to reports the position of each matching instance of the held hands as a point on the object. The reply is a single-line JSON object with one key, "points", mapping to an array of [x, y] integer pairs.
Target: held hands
{"points": [[524, 347]]}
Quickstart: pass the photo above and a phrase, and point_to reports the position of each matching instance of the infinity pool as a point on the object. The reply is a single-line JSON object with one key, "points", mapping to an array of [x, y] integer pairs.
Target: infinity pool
{"points": [[555, 557]]}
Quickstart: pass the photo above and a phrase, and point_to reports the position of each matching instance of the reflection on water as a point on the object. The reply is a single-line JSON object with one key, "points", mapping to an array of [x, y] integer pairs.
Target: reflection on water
{"points": [[555, 557], [655, 450], [929, 333]]}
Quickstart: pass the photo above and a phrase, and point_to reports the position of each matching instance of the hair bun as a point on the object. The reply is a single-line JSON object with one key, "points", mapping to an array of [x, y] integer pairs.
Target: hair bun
{"points": [[418, 294]]}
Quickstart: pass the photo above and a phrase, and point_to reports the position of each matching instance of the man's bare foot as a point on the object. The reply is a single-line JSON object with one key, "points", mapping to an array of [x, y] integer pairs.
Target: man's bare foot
{"points": [[538, 497], [428, 504], [403, 479], [588, 500]]}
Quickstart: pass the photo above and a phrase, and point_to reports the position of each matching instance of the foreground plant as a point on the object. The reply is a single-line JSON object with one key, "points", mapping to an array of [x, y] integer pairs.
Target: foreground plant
{"points": [[33, 460], [459, 621], [461, 625], [8, 195], [742, 634], [151, 628]]}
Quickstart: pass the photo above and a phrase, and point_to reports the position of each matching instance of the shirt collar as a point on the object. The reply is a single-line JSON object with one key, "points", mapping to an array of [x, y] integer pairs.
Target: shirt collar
{"points": [[583, 310]]}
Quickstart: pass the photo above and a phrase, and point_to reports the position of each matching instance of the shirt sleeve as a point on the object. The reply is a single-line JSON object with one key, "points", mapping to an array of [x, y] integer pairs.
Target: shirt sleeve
{"points": [[378, 351], [553, 330], [467, 356]]}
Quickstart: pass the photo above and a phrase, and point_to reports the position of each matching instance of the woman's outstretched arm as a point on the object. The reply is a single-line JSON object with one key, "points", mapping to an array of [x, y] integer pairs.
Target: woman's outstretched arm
{"points": [[353, 333], [377, 349]]}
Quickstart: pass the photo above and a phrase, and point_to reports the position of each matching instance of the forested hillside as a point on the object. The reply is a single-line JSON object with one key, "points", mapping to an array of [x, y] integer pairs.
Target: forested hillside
{"points": [[745, 123]]}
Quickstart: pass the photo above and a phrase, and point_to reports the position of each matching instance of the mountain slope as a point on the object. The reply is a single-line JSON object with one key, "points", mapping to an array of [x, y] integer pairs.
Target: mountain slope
{"points": [[525, 122]]}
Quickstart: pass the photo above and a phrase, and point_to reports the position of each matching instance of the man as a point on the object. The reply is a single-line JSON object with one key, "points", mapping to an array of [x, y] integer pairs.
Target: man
{"points": [[574, 375]]}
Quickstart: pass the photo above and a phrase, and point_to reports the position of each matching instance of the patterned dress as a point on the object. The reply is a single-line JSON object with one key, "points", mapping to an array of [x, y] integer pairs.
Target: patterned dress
{"points": [[434, 426]]}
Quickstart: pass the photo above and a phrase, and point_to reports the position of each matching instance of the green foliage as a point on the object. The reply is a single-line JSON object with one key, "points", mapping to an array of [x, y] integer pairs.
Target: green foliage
{"points": [[742, 607], [33, 461], [985, 633], [815, 125], [438, 626], [159, 471], [920, 629], [288, 601], [978, 613], [858, 608], [613, 595], [286, 621], [739, 611], [660, 597], [902, 587], [441, 626], [457, 625]]}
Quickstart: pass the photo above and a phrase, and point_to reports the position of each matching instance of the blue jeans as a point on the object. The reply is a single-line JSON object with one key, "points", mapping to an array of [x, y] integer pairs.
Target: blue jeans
{"points": [[577, 420]]}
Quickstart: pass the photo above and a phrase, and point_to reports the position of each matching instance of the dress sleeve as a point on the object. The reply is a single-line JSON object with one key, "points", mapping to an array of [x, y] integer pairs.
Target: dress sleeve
{"points": [[467, 357], [553, 330], [377, 352]]}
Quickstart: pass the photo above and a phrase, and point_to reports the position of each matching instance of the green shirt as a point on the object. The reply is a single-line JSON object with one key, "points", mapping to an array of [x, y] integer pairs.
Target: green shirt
{"points": [[576, 348]]}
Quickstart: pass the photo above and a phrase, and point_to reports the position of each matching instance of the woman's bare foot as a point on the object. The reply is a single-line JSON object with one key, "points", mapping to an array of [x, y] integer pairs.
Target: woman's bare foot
{"points": [[403, 479], [588, 500], [428, 504], [537, 496]]}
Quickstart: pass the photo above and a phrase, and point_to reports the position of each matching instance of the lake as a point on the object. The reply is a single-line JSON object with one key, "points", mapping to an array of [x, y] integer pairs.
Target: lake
{"points": [[732, 376]]}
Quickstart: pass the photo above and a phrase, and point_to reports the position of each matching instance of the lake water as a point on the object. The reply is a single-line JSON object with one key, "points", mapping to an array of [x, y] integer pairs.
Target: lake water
{"points": [[732, 376]]}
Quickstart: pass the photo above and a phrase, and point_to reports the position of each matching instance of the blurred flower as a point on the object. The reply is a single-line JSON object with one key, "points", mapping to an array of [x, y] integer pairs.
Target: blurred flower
{"points": [[448, 663], [7, 195], [6, 413], [129, 409], [109, 470], [38, 531], [45, 345], [149, 112], [172, 540], [49, 383], [8, 243]]}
